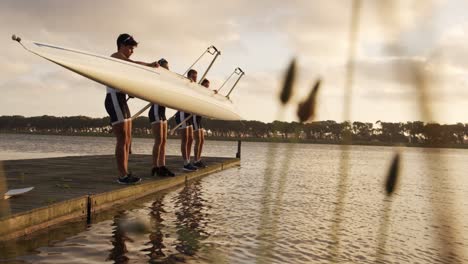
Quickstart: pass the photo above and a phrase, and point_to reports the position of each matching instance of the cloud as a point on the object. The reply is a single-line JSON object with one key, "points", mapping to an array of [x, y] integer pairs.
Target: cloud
{"points": [[260, 37]]}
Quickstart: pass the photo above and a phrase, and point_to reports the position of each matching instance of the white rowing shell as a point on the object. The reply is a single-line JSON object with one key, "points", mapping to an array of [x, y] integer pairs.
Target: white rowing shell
{"points": [[155, 85], [14, 192]]}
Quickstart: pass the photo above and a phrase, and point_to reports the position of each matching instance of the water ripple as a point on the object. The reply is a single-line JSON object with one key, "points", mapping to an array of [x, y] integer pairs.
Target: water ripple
{"points": [[228, 217]]}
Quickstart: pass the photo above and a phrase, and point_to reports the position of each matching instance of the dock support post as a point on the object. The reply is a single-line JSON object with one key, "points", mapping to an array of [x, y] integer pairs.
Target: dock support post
{"points": [[88, 210], [239, 144]]}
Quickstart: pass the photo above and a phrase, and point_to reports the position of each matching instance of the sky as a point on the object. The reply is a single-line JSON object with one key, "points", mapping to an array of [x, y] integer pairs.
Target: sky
{"points": [[394, 40]]}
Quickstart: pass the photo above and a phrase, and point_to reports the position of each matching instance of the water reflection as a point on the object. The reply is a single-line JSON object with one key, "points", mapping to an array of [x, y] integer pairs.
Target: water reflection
{"points": [[263, 251], [271, 206], [130, 229], [190, 219], [119, 236], [260, 217], [156, 236]]}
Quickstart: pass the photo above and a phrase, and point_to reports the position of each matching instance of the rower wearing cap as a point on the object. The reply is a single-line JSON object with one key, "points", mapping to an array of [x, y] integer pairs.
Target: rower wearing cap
{"points": [[199, 134], [117, 108], [186, 129], [158, 120]]}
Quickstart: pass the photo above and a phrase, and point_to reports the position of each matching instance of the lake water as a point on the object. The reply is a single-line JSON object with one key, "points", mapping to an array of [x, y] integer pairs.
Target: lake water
{"points": [[287, 203]]}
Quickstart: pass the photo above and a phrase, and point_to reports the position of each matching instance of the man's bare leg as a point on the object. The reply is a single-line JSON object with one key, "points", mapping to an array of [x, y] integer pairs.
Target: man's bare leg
{"points": [[183, 144], [162, 149], [128, 141], [189, 142], [199, 141], [120, 148], [157, 132]]}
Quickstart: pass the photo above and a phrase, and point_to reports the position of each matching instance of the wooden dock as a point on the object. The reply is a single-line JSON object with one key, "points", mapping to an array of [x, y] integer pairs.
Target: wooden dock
{"points": [[76, 187]]}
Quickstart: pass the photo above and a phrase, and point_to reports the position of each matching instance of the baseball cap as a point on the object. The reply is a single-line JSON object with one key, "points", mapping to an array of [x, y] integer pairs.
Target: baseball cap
{"points": [[126, 39]]}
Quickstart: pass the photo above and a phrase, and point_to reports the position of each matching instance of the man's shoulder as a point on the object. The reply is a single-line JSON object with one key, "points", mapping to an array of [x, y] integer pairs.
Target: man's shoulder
{"points": [[118, 55]]}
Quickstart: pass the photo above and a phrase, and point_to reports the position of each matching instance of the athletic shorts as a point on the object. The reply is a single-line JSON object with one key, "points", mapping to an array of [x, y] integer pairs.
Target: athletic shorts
{"points": [[117, 108], [181, 116], [157, 113], [197, 122]]}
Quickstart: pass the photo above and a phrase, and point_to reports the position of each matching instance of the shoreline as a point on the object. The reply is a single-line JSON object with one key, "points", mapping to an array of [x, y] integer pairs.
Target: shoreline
{"points": [[268, 140]]}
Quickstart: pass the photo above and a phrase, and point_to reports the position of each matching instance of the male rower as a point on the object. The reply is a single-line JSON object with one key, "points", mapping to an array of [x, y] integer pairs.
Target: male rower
{"points": [[186, 130], [117, 108], [199, 134], [157, 117]]}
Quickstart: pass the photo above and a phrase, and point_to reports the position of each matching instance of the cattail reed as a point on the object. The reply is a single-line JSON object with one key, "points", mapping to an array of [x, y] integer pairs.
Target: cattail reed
{"points": [[390, 185], [392, 177], [443, 214], [343, 179], [307, 109], [287, 90], [269, 216]]}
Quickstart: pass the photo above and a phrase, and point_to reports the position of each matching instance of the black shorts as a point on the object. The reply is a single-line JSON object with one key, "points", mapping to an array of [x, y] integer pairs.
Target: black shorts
{"points": [[117, 108], [181, 116], [197, 122], [157, 113]]}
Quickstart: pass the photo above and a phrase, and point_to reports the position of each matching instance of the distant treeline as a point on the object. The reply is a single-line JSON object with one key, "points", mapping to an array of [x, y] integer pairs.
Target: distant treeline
{"points": [[378, 133]]}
